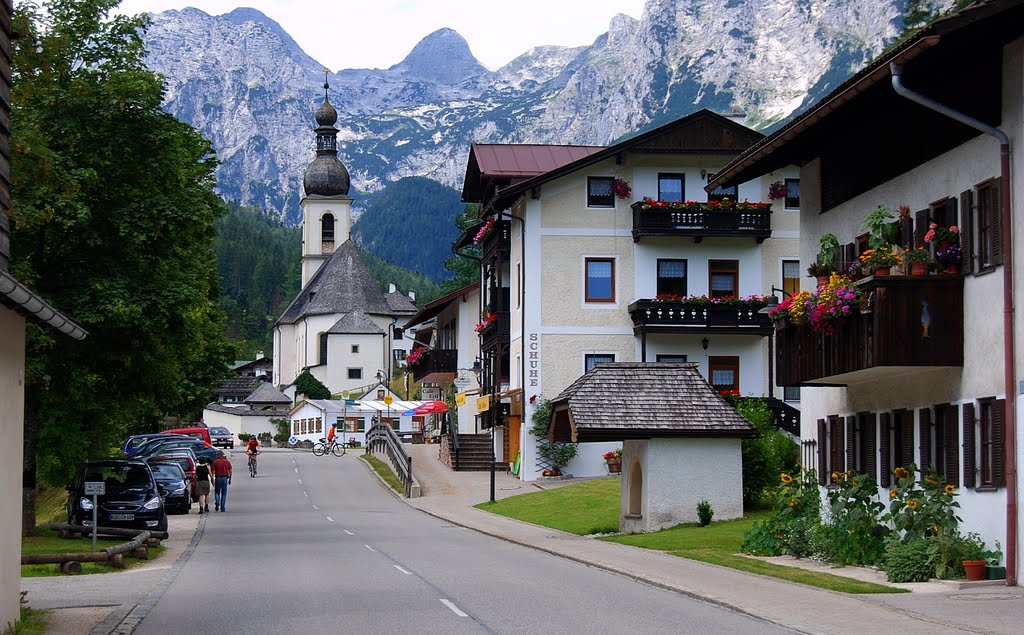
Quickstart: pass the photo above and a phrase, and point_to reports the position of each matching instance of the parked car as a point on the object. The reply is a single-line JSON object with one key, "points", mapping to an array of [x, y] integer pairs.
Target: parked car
{"points": [[198, 432], [173, 486], [160, 446], [222, 437], [130, 500], [136, 441], [186, 460]]}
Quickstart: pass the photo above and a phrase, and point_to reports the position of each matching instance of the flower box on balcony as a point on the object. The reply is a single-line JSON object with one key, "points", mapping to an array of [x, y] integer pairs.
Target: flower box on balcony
{"points": [[914, 322], [702, 219], [701, 313]]}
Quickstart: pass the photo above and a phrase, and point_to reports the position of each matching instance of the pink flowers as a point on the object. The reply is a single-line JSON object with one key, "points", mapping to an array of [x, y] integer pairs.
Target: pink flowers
{"points": [[486, 229], [414, 357], [942, 234], [621, 188]]}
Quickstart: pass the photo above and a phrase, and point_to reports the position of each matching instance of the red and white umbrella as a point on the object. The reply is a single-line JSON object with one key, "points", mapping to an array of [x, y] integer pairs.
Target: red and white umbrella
{"points": [[431, 408]]}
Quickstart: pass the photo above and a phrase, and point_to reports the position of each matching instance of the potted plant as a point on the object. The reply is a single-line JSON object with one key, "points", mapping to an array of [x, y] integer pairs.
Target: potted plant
{"points": [[621, 188], [614, 460], [778, 190], [950, 258], [942, 236], [919, 261], [879, 226], [879, 260], [972, 554]]}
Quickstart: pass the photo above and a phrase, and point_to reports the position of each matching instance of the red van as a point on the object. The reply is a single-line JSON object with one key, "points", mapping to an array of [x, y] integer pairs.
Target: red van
{"points": [[199, 433]]}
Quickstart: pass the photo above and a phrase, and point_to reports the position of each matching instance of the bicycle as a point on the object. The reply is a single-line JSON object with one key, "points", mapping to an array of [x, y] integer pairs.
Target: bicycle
{"points": [[322, 448], [252, 463]]}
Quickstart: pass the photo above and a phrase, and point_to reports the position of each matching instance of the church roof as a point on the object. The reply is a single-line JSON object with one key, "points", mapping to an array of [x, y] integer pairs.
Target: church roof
{"points": [[400, 303], [355, 322], [341, 284], [266, 393]]}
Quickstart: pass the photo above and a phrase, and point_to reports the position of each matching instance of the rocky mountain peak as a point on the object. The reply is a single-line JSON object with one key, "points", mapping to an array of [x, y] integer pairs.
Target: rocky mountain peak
{"points": [[443, 57]]}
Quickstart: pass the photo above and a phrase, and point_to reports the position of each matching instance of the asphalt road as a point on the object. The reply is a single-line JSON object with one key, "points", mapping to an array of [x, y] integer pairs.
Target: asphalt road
{"points": [[317, 545]]}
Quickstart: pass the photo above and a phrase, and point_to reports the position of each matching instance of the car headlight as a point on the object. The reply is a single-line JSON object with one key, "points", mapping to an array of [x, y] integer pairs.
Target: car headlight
{"points": [[85, 504], [178, 490], [153, 503]]}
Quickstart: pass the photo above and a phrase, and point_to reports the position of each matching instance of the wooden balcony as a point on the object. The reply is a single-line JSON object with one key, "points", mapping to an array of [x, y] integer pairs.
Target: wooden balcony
{"points": [[699, 224], [677, 317], [497, 242], [890, 339], [497, 332], [434, 361]]}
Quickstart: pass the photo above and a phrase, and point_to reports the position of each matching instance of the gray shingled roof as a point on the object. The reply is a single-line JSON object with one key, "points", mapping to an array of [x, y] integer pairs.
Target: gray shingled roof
{"points": [[400, 303], [341, 284], [355, 322], [242, 411], [643, 400], [266, 393], [237, 386]]}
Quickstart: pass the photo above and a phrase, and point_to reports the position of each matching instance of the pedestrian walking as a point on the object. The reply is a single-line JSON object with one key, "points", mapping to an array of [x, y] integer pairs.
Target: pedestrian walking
{"points": [[222, 478], [204, 483]]}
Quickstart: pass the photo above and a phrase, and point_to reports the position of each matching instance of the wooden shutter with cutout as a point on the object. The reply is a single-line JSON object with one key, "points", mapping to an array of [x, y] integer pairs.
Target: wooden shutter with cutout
{"points": [[968, 444]]}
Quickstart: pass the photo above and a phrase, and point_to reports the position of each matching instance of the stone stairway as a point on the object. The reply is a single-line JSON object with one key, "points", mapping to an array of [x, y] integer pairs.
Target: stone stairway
{"points": [[475, 453]]}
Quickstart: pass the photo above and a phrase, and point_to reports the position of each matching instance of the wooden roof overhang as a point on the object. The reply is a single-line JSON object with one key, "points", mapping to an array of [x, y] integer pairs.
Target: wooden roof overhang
{"points": [[864, 133]]}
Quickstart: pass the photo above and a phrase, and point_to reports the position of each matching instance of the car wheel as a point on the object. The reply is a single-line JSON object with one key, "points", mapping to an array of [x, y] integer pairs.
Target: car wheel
{"points": [[162, 525]]}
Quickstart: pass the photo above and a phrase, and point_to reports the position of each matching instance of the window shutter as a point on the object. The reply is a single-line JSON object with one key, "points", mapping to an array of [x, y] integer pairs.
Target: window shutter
{"points": [[924, 416], [998, 463], [921, 219], [822, 449], [835, 423], [884, 455], [968, 446], [907, 438], [851, 424], [997, 231], [950, 448], [951, 212], [849, 254], [966, 230], [868, 429], [906, 226]]}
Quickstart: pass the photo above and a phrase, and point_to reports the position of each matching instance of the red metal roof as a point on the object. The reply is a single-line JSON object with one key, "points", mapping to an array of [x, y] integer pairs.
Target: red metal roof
{"points": [[526, 160]]}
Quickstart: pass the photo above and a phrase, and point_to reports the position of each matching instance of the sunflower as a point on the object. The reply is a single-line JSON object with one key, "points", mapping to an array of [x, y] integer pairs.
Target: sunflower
{"points": [[792, 502], [786, 478], [950, 488], [901, 472], [835, 476], [892, 493], [912, 504], [931, 481]]}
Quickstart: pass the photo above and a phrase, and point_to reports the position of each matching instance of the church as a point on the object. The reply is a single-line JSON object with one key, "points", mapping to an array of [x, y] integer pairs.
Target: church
{"points": [[341, 325]]}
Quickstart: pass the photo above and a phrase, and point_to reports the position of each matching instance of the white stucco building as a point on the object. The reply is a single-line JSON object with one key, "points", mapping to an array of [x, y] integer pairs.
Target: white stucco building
{"points": [[930, 375], [583, 268]]}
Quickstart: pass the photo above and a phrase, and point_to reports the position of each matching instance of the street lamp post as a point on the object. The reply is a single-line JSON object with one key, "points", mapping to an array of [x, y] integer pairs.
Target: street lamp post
{"points": [[772, 303]]}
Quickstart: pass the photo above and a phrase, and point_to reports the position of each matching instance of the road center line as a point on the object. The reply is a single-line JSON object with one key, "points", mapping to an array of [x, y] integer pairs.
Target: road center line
{"points": [[316, 508], [349, 533], [454, 608], [369, 547], [403, 570], [329, 518]]}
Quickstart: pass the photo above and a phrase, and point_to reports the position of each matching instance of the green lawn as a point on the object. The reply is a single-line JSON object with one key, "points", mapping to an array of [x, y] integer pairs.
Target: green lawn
{"points": [[592, 507], [385, 472]]}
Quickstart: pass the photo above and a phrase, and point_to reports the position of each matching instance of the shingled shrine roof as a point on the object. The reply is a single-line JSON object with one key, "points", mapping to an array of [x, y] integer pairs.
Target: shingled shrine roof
{"points": [[643, 400], [267, 394], [355, 322]]}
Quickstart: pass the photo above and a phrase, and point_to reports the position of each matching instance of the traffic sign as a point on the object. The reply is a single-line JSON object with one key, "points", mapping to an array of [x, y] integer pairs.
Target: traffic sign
{"points": [[388, 400], [462, 384], [95, 488]]}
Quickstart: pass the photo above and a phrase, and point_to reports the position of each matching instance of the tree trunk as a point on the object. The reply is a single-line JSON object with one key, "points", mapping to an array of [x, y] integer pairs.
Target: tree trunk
{"points": [[28, 474]]}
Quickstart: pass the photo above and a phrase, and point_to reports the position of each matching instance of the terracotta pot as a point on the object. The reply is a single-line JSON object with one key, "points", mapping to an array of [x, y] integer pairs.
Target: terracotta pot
{"points": [[882, 272], [822, 280], [919, 268], [952, 270], [975, 570]]}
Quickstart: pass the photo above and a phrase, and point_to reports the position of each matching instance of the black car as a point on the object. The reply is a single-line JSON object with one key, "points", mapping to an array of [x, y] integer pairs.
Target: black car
{"points": [[222, 437], [130, 499], [173, 486]]}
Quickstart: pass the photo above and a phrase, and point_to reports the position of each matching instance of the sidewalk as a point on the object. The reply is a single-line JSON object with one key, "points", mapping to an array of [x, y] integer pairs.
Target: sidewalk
{"points": [[934, 607]]}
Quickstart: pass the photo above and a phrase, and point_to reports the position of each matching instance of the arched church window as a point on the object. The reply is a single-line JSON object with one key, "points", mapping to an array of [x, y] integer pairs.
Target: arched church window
{"points": [[323, 348], [327, 229]]}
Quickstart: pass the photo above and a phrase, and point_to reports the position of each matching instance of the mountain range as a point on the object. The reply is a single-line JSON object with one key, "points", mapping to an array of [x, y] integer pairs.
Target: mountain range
{"points": [[244, 82]]}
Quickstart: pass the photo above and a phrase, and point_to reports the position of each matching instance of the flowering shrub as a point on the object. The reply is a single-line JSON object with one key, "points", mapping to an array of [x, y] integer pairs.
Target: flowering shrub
{"points": [[794, 307], [486, 229], [858, 537], [621, 188], [414, 357], [778, 190], [942, 234], [917, 255], [835, 301], [486, 319], [951, 255], [796, 513], [613, 454], [701, 206]]}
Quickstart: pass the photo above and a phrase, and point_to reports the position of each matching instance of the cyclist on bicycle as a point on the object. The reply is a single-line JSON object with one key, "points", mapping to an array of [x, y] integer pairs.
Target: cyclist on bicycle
{"points": [[330, 434], [252, 449]]}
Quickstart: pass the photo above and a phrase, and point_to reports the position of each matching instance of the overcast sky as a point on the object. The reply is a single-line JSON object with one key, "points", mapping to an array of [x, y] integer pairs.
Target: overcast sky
{"points": [[379, 33]]}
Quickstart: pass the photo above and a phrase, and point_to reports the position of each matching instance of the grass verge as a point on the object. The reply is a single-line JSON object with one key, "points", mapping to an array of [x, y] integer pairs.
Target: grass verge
{"points": [[49, 542], [30, 621], [385, 472], [592, 507]]}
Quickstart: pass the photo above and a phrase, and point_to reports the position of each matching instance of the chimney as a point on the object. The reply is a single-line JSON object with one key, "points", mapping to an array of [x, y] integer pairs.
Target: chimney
{"points": [[412, 296], [259, 354], [392, 288]]}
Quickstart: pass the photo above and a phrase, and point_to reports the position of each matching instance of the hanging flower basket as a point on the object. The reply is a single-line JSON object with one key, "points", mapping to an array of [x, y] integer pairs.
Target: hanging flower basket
{"points": [[621, 188], [778, 190]]}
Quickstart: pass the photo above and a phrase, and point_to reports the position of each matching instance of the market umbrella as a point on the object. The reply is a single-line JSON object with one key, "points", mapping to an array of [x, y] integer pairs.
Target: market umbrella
{"points": [[431, 408]]}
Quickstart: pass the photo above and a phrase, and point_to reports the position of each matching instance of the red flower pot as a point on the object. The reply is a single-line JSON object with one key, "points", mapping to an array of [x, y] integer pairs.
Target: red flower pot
{"points": [[975, 570]]}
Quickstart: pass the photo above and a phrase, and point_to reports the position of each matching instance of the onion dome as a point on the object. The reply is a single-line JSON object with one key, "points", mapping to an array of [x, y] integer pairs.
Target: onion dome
{"points": [[326, 175]]}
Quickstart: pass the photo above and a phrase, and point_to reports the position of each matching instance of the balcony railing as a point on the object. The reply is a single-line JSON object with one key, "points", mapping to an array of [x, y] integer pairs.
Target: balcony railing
{"points": [[689, 317], [435, 361], [497, 240], [731, 222], [912, 322], [497, 332]]}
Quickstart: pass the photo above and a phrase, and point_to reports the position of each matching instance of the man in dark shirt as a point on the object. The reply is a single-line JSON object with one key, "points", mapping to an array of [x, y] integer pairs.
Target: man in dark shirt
{"points": [[222, 478]]}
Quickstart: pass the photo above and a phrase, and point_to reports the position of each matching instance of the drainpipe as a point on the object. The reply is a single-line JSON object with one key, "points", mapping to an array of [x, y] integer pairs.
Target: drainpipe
{"points": [[1010, 423]]}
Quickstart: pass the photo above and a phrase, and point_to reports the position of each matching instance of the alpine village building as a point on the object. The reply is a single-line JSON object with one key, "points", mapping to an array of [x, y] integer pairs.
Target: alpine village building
{"points": [[927, 372], [340, 326], [617, 254]]}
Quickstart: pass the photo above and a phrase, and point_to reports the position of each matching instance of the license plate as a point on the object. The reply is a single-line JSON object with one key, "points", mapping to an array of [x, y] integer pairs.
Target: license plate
{"points": [[122, 517]]}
